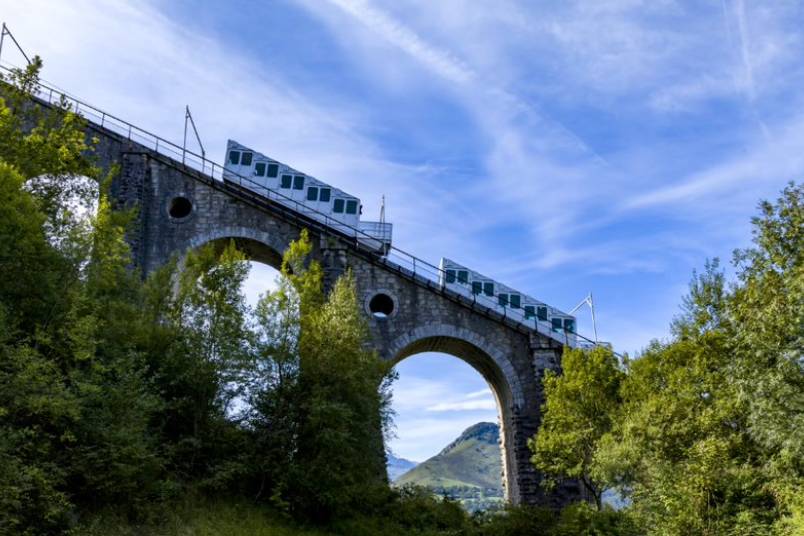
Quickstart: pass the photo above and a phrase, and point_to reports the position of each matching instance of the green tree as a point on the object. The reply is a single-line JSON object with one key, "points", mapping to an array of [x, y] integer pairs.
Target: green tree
{"points": [[74, 402], [708, 438], [579, 407], [334, 388], [767, 310]]}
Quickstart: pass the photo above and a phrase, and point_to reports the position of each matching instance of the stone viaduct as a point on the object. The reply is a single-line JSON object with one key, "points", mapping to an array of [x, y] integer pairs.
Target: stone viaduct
{"points": [[183, 203]]}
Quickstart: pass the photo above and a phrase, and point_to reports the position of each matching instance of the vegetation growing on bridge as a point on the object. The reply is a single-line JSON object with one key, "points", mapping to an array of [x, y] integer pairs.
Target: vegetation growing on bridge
{"points": [[122, 398]]}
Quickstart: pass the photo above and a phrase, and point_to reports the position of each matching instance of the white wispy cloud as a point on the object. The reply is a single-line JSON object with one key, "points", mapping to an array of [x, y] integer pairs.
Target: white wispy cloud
{"points": [[744, 175], [440, 61]]}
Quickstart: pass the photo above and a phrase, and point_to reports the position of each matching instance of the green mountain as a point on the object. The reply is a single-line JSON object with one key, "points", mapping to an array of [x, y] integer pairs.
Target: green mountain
{"points": [[468, 469]]}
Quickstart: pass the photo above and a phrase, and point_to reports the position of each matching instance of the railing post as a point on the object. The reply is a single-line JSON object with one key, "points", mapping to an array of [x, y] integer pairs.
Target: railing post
{"points": [[129, 131], [103, 118]]}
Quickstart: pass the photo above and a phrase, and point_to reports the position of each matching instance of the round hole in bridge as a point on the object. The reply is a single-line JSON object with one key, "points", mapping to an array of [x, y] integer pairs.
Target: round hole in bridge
{"points": [[180, 207], [381, 305]]}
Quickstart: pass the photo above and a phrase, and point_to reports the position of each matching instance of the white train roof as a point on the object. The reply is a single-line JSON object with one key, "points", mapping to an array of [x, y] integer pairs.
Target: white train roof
{"points": [[283, 168], [500, 288]]}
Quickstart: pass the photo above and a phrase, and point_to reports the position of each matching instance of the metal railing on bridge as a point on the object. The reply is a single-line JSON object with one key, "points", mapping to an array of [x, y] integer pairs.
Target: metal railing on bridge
{"points": [[393, 258]]}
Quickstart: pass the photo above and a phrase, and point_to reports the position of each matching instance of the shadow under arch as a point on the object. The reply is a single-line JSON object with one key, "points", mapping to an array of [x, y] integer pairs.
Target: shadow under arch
{"points": [[492, 364]]}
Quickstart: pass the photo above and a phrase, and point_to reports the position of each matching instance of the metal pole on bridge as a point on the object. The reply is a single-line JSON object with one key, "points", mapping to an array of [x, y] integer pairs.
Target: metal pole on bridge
{"points": [[188, 118], [6, 32]]}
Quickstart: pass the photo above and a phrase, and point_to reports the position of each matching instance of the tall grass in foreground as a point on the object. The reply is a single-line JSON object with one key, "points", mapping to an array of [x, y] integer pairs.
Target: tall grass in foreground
{"points": [[213, 518]]}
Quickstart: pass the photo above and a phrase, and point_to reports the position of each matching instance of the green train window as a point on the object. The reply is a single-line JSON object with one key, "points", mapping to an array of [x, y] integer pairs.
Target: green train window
{"points": [[338, 206], [323, 195], [351, 207], [463, 276], [530, 311], [273, 170], [556, 324], [450, 276], [488, 289], [286, 181], [516, 301], [541, 313], [503, 299], [234, 157], [312, 193], [245, 159], [569, 325], [477, 287], [259, 169], [298, 182]]}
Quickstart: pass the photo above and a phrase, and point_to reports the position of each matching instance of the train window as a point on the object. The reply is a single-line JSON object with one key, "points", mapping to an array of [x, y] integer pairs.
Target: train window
{"points": [[323, 195], [556, 324], [338, 206], [259, 169], [273, 170], [298, 182], [312, 193], [450, 276], [351, 206], [541, 313], [234, 157], [515, 301], [245, 159], [488, 289], [286, 181], [463, 276], [503, 299], [569, 325], [530, 311], [477, 287]]}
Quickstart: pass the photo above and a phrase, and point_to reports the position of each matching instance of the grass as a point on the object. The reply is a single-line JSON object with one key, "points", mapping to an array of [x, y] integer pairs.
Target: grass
{"points": [[197, 519]]}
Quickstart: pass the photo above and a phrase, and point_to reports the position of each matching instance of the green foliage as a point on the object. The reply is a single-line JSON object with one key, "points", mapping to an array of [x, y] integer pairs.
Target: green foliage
{"points": [[409, 510], [581, 520], [516, 521], [88, 353], [708, 439], [580, 404], [197, 518], [329, 413], [768, 314]]}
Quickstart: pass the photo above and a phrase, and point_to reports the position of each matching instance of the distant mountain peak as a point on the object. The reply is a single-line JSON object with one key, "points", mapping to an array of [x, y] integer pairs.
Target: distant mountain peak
{"points": [[398, 466], [471, 462], [484, 432]]}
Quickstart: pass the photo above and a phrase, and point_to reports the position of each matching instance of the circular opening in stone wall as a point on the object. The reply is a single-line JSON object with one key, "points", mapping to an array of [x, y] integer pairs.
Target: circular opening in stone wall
{"points": [[381, 305], [180, 207]]}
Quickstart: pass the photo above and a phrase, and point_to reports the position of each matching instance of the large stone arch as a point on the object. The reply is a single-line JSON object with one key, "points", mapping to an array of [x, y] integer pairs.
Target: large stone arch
{"points": [[495, 367], [258, 245]]}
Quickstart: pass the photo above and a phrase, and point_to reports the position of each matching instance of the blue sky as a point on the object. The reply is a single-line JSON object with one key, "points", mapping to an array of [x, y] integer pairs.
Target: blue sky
{"points": [[560, 146]]}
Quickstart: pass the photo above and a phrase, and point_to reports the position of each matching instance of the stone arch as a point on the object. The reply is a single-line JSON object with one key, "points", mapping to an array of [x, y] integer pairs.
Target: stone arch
{"points": [[260, 246], [491, 363]]}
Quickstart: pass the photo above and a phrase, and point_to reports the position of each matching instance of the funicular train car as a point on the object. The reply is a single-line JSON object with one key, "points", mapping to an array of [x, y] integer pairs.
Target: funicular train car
{"points": [[304, 193], [506, 300]]}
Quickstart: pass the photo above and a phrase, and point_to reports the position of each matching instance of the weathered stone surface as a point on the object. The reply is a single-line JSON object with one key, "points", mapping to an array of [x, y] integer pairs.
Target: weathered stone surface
{"points": [[425, 317]]}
